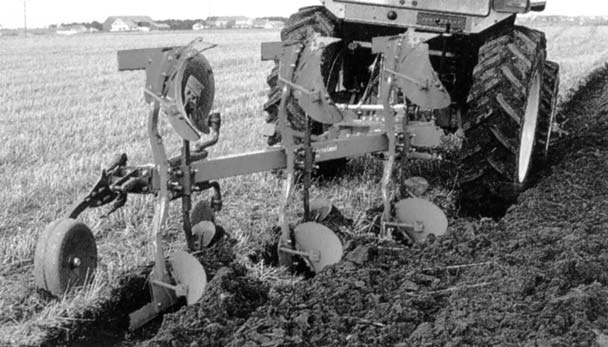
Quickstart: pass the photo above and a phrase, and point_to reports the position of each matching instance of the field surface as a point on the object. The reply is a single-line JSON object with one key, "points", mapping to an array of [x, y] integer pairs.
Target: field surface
{"points": [[65, 111]]}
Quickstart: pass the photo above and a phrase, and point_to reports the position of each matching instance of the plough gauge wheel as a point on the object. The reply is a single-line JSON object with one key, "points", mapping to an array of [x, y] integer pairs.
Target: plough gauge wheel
{"points": [[414, 211], [190, 275], [66, 256], [322, 244]]}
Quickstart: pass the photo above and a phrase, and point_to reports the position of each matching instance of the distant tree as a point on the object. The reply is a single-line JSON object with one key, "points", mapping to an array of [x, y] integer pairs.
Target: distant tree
{"points": [[96, 25], [180, 24]]}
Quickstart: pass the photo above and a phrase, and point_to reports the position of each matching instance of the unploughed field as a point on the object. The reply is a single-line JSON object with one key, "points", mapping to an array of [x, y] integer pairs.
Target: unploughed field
{"points": [[65, 111]]}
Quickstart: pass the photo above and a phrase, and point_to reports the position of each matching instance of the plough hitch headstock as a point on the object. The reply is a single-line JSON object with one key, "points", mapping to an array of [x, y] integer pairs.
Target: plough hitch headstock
{"points": [[116, 182]]}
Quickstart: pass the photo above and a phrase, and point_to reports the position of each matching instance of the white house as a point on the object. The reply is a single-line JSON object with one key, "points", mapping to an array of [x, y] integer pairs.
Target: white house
{"points": [[199, 26], [243, 22], [120, 24], [268, 24], [132, 23], [230, 22]]}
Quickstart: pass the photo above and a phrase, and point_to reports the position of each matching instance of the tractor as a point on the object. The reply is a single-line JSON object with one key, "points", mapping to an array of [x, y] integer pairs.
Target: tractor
{"points": [[503, 91], [401, 79]]}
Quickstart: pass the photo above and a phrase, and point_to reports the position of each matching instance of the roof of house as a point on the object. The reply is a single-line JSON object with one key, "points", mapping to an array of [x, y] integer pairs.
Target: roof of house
{"points": [[131, 21]]}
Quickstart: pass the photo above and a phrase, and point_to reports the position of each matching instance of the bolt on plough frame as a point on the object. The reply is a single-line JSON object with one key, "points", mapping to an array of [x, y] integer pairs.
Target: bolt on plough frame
{"points": [[180, 85]]}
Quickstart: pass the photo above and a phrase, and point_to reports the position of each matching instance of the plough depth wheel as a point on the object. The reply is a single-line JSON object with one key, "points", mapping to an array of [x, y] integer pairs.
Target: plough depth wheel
{"points": [[323, 247], [66, 256], [424, 213], [190, 276]]}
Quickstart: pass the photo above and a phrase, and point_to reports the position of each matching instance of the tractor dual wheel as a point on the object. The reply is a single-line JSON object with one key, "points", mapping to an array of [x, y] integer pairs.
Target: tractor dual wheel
{"points": [[300, 26], [309, 21], [501, 125], [65, 257]]}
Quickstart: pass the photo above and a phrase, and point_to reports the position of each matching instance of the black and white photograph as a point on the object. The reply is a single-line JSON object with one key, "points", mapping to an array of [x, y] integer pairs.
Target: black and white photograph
{"points": [[304, 173]]}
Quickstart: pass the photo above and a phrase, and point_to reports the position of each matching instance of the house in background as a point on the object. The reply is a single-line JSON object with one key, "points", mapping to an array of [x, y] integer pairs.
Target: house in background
{"points": [[237, 22], [115, 24], [243, 22], [132, 23], [218, 22], [199, 26], [268, 24]]}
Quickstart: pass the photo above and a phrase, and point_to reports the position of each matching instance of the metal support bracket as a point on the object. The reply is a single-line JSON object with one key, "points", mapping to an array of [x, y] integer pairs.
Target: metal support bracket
{"points": [[398, 230], [412, 70], [286, 71], [313, 255], [306, 79]]}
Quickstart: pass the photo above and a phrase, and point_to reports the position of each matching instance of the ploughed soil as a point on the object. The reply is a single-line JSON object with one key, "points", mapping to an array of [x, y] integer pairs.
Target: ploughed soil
{"points": [[108, 325], [537, 277]]}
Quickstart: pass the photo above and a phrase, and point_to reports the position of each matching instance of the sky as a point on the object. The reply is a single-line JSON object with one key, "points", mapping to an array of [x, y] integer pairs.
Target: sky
{"points": [[41, 13]]}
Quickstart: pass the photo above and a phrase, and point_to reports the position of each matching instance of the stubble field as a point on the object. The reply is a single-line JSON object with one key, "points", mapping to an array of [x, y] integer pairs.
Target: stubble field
{"points": [[65, 111]]}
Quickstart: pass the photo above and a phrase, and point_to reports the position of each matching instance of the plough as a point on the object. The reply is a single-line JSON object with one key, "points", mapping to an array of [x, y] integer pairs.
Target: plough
{"points": [[180, 86]]}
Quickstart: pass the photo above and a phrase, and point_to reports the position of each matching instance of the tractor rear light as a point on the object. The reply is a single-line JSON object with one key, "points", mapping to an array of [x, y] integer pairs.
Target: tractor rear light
{"points": [[512, 6]]}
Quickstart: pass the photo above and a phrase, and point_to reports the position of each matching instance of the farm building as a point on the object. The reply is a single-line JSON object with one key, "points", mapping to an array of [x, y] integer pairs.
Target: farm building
{"points": [[200, 26], [238, 22], [132, 23]]}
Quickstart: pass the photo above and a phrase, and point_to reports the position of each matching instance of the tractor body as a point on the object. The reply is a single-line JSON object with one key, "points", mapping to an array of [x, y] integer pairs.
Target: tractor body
{"points": [[470, 16]]}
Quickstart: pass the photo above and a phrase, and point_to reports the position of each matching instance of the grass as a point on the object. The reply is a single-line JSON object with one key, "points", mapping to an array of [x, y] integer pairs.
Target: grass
{"points": [[65, 111]]}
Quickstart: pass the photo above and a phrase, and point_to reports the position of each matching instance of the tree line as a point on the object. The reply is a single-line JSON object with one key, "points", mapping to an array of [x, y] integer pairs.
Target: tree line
{"points": [[175, 24]]}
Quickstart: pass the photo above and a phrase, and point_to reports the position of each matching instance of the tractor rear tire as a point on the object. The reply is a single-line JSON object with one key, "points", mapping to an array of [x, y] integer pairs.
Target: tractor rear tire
{"points": [[313, 20], [501, 124]]}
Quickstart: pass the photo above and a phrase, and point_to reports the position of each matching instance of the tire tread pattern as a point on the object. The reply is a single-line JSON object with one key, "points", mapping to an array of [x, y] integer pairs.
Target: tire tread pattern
{"points": [[497, 103], [303, 24]]}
